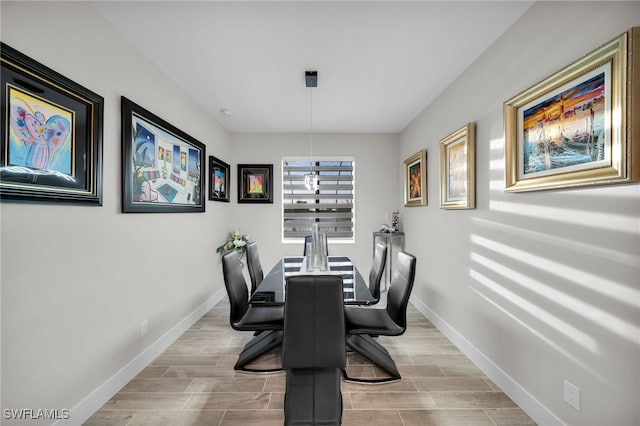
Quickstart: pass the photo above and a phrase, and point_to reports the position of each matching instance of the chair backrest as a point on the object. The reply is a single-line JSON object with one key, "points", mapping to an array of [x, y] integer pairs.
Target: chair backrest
{"points": [[314, 329], [309, 238], [400, 288], [377, 269], [254, 266], [236, 285]]}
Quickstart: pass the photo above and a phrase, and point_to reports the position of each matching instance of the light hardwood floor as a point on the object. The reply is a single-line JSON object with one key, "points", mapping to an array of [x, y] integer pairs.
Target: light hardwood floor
{"points": [[193, 383]]}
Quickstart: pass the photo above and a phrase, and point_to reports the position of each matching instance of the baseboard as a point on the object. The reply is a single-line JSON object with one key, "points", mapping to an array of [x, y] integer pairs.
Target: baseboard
{"points": [[530, 405], [96, 399]]}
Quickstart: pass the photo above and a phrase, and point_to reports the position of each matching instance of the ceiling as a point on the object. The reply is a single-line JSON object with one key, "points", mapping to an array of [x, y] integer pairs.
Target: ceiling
{"points": [[379, 63]]}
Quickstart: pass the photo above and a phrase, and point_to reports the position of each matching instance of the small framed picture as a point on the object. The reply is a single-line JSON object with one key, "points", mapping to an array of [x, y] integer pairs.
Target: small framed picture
{"points": [[255, 183], [219, 179], [457, 169], [415, 179]]}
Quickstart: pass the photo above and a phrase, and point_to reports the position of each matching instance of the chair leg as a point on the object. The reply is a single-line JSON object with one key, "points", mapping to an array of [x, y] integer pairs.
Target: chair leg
{"points": [[257, 347], [298, 397], [373, 351], [313, 397]]}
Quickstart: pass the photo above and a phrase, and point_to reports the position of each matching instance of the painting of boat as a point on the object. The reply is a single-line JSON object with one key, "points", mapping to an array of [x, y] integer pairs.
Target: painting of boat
{"points": [[566, 129], [577, 127]]}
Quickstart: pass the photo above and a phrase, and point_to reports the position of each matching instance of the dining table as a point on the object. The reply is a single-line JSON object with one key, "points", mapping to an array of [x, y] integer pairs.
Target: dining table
{"points": [[271, 291]]}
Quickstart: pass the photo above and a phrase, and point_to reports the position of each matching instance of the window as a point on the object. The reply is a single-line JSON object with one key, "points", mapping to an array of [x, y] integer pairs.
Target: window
{"points": [[331, 205]]}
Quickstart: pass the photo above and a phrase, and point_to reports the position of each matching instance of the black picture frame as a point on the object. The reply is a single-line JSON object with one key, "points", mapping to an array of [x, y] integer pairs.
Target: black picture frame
{"points": [[162, 166], [255, 183], [219, 180], [51, 146]]}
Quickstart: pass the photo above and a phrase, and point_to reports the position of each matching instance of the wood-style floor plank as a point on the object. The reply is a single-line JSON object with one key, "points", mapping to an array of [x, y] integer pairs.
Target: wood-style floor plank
{"points": [[193, 383]]}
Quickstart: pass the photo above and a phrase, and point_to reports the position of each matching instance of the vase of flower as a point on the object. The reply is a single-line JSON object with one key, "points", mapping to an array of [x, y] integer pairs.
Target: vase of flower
{"points": [[236, 241]]}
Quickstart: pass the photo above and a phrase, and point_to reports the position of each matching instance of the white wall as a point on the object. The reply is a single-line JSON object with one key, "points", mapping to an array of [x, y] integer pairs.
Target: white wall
{"points": [[77, 280], [377, 186], [545, 286]]}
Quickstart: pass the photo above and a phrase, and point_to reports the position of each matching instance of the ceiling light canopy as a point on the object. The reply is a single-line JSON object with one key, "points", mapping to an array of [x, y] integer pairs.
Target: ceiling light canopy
{"points": [[311, 78]]}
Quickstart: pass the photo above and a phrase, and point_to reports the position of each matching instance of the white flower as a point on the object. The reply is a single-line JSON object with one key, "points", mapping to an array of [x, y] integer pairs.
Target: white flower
{"points": [[236, 241]]}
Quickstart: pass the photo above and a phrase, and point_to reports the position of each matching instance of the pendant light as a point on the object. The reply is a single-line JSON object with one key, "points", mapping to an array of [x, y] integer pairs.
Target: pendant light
{"points": [[311, 179]]}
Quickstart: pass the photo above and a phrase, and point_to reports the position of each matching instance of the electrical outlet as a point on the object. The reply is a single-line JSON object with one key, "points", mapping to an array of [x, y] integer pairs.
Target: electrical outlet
{"points": [[144, 328], [572, 395]]}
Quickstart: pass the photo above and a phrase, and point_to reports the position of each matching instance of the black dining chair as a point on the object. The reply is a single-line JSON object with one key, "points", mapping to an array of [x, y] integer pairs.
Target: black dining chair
{"points": [[254, 265], [313, 350], [363, 323], [308, 239], [269, 320], [377, 271]]}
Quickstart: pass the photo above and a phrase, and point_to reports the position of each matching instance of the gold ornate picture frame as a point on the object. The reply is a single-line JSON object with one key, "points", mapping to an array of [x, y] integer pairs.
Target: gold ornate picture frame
{"points": [[415, 180], [457, 169], [575, 127]]}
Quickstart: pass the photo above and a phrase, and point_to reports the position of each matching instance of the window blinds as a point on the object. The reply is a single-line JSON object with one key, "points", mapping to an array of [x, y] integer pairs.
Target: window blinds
{"points": [[331, 205]]}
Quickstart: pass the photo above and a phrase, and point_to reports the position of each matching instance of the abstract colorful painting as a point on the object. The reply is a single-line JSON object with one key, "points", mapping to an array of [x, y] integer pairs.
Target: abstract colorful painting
{"points": [[162, 165], [41, 133], [51, 138], [415, 180], [255, 183], [415, 187], [218, 180]]}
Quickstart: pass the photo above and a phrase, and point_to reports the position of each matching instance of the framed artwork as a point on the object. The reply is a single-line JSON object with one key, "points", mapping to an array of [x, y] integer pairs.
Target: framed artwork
{"points": [[255, 183], [51, 149], [162, 167], [575, 128], [457, 169], [219, 179], [415, 180]]}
